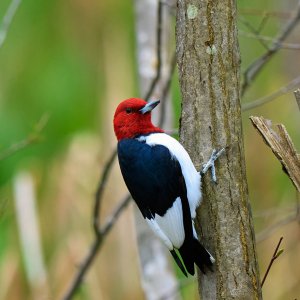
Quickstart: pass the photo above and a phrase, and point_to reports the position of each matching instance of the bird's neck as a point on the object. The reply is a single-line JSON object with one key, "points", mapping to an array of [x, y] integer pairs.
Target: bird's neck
{"points": [[129, 132]]}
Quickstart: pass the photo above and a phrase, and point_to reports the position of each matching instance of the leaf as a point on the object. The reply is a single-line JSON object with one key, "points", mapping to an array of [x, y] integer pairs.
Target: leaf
{"points": [[278, 253]]}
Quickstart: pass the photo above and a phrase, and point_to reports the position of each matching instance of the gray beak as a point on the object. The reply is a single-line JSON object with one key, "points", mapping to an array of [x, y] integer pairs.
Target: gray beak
{"points": [[149, 106]]}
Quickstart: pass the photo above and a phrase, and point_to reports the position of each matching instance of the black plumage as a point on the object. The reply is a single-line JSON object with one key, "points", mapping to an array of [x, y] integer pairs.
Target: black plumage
{"points": [[155, 180], [151, 174]]}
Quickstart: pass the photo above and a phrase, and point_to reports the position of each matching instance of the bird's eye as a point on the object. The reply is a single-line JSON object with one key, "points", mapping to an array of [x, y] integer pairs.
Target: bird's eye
{"points": [[128, 110]]}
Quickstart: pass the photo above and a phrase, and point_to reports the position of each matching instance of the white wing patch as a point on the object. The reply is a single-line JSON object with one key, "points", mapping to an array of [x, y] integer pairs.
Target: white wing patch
{"points": [[159, 233], [191, 176], [172, 224]]}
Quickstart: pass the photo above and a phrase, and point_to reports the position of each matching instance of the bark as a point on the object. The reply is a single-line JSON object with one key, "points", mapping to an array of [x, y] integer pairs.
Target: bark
{"points": [[157, 277], [209, 71]]}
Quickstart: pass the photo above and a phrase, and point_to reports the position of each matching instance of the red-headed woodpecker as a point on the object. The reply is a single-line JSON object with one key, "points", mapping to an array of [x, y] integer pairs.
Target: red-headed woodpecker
{"points": [[162, 180]]}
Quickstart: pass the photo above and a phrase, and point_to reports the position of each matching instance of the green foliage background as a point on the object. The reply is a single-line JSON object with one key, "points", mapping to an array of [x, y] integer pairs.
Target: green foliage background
{"points": [[74, 61]]}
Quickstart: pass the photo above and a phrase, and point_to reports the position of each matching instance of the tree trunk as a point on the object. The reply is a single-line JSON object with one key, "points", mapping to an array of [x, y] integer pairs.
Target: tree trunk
{"points": [[209, 70]]}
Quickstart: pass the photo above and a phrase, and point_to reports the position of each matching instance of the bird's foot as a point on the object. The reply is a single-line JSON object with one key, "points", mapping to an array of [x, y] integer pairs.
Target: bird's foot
{"points": [[211, 164]]}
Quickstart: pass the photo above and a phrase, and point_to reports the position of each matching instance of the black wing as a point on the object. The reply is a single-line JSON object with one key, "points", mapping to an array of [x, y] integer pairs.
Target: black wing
{"points": [[154, 179], [152, 175]]}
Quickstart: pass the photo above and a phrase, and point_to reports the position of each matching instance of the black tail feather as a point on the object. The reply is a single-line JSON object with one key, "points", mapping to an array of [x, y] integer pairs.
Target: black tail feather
{"points": [[193, 252], [179, 262], [203, 258]]}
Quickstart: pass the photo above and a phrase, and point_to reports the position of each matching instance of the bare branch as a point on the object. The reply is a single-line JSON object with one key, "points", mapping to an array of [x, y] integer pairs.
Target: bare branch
{"points": [[274, 257], [291, 217], [266, 99], [282, 146], [255, 33], [253, 70], [114, 216], [154, 69], [263, 23], [266, 233], [100, 190], [11, 11], [273, 211], [166, 90], [297, 96], [263, 38], [94, 248], [260, 12], [100, 233], [158, 51], [31, 139]]}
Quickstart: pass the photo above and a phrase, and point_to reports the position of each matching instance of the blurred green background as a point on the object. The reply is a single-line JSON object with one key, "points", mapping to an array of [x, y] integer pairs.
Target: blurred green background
{"points": [[70, 63]]}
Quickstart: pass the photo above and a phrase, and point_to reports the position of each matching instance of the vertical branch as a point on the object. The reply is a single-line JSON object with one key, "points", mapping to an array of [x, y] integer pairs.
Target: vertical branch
{"points": [[100, 190], [165, 101], [143, 12], [25, 201], [209, 71], [153, 32]]}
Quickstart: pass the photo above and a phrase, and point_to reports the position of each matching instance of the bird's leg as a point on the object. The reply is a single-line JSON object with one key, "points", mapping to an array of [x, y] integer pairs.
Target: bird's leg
{"points": [[211, 164]]}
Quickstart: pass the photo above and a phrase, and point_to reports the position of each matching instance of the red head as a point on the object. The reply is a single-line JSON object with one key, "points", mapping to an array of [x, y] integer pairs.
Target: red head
{"points": [[133, 117]]}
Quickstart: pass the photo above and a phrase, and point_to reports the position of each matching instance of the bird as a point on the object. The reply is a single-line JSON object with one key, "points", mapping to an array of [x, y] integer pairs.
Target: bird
{"points": [[162, 181]]}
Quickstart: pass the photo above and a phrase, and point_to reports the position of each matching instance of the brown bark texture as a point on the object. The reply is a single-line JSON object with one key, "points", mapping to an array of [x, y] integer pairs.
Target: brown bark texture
{"points": [[208, 60]]}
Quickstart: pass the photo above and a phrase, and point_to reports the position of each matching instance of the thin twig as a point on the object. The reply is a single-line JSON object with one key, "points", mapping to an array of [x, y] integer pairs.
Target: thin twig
{"points": [[260, 12], [274, 257], [31, 139], [114, 216], [158, 51], [266, 99], [253, 70], [94, 248], [263, 23], [7, 19], [263, 235], [14, 148], [255, 33], [165, 91], [100, 190], [266, 213], [266, 233], [263, 38]]}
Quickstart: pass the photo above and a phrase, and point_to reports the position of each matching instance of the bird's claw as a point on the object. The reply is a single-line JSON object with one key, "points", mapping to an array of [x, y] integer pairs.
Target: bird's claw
{"points": [[211, 164]]}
